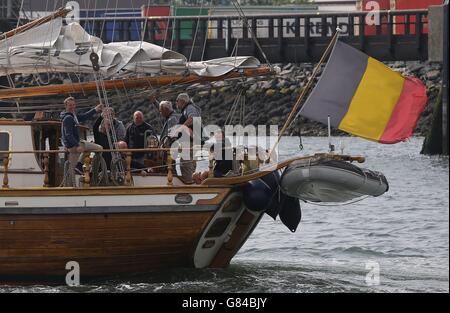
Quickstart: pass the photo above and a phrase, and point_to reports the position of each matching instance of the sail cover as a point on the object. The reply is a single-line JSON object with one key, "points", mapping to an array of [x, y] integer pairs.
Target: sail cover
{"points": [[55, 47]]}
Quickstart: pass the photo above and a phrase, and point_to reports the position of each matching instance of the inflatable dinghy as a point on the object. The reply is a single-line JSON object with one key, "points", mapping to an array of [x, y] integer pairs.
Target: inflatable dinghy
{"points": [[330, 180]]}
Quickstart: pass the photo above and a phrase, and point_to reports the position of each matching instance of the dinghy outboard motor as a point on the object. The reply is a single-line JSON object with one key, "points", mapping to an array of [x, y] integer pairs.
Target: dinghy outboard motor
{"points": [[330, 180]]}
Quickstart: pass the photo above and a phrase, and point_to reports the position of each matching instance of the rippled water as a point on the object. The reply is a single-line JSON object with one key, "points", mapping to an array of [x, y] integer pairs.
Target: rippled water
{"points": [[403, 235]]}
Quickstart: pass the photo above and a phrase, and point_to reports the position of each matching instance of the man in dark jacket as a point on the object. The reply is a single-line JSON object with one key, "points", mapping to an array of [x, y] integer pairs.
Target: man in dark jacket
{"points": [[135, 138], [69, 133], [101, 129]]}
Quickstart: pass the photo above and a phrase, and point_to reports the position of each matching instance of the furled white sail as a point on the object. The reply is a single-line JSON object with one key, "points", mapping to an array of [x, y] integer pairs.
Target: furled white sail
{"points": [[54, 47]]}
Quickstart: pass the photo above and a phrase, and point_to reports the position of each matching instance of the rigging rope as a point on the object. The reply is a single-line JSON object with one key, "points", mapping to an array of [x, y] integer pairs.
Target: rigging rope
{"points": [[102, 94], [244, 19], [196, 31], [20, 10], [103, 25], [206, 33], [114, 22]]}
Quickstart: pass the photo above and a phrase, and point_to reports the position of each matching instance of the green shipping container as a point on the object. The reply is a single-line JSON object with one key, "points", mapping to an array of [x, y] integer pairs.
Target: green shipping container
{"points": [[186, 26]]}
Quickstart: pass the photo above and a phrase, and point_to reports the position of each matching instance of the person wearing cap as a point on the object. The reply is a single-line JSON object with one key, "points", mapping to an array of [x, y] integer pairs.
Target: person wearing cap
{"points": [[189, 111]]}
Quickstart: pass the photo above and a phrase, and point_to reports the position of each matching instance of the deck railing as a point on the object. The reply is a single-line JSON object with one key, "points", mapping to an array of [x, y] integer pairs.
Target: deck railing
{"points": [[45, 154]]}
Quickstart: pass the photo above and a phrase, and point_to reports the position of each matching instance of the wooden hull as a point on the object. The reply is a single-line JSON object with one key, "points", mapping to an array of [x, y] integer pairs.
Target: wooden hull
{"points": [[102, 244], [36, 243]]}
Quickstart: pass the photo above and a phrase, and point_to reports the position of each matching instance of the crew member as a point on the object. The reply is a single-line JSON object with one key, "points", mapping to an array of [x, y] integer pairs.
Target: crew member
{"points": [[189, 111], [135, 137], [170, 117], [102, 129], [70, 137]]}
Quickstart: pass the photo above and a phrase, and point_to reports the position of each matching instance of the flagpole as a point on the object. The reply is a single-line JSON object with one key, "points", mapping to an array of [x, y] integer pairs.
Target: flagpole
{"points": [[307, 87]]}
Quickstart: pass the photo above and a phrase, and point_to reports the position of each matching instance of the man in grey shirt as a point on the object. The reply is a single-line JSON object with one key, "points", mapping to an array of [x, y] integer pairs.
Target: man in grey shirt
{"points": [[170, 117], [188, 112]]}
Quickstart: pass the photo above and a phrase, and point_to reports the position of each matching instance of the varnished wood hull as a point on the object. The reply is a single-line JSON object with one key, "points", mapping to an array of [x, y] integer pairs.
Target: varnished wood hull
{"points": [[37, 240], [102, 244]]}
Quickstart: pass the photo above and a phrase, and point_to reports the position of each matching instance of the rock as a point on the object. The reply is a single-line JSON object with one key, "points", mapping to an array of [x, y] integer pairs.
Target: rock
{"points": [[416, 68], [270, 92], [194, 86], [249, 93], [286, 72], [253, 87], [398, 64], [281, 84], [219, 83], [288, 67], [299, 89], [432, 75], [285, 91], [266, 84]]}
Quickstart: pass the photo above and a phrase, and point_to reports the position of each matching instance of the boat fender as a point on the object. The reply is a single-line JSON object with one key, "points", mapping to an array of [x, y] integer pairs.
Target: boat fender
{"points": [[258, 193], [290, 212]]}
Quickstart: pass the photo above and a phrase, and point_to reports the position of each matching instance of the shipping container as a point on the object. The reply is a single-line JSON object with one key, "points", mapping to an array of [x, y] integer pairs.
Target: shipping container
{"points": [[370, 27], [161, 26], [401, 26], [186, 31], [114, 30]]}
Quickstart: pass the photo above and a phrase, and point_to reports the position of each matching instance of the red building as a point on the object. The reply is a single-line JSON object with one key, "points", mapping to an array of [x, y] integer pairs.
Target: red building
{"points": [[411, 5], [400, 22]]}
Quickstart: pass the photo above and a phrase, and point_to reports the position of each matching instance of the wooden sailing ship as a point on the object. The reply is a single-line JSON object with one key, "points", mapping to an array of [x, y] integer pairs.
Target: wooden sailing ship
{"points": [[151, 221], [148, 222], [144, 223]]}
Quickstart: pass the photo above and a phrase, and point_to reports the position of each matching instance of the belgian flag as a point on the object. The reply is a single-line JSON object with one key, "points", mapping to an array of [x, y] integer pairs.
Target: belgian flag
{"points": [[366, 98]]}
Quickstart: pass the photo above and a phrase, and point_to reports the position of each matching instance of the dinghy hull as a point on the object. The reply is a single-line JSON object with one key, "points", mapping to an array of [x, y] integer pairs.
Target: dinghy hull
{"points": [[331, 181]]}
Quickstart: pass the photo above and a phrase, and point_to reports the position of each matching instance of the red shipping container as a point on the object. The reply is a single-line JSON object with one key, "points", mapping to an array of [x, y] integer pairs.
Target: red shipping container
{"points": [[161, 26], [382, 5], [412, 5]]}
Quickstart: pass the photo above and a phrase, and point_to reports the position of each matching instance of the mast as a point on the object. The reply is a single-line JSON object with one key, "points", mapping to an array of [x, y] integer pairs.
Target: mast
{"points": [[58, 13], [129, 83]]}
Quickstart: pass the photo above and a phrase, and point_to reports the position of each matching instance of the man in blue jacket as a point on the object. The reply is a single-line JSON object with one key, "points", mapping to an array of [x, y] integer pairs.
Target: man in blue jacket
{"points": [[69, 133]]}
